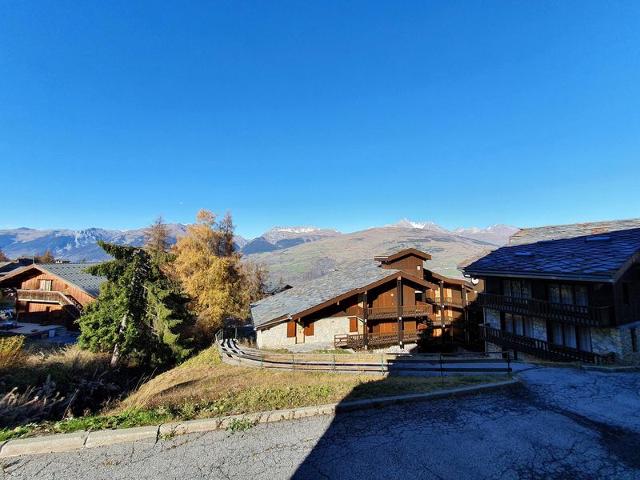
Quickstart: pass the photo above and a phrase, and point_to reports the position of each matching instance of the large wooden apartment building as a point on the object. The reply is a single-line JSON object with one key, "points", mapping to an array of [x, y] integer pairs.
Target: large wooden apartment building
{"points": [[568, 292], [392, 300]]}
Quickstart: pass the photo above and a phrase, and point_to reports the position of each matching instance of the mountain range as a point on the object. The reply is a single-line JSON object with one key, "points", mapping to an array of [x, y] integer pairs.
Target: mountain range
{"points": [[292, 254]]}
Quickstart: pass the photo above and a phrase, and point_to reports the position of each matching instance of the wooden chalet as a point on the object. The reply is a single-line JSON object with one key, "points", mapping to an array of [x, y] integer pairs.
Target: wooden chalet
{"points": [[569, 292], [51, 293], [393, 300]]}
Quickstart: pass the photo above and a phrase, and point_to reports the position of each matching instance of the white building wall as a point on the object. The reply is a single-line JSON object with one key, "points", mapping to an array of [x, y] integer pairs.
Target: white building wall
{"points": [[324, 331]]}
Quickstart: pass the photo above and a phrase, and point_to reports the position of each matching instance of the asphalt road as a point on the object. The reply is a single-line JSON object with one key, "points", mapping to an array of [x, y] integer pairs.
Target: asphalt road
{"points": [[561, 423]]}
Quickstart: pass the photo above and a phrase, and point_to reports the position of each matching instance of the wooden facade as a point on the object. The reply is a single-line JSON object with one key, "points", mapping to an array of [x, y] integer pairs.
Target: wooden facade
{"points": [[45, 298], [400, 309]]}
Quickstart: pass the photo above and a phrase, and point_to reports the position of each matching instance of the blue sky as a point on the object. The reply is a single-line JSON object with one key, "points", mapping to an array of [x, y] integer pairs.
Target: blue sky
{"points": [[341, 114]]}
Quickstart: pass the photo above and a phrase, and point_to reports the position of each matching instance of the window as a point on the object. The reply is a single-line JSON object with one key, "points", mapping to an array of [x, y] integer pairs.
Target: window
{"points": [[46, 285], [582, 298], [419, 296], [518, 324], [517, 288], [570, 336], [291, 329], [569, 294]]}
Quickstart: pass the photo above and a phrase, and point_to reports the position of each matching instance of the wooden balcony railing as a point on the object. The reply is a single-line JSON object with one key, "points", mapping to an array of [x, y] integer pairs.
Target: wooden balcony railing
{"points": [[447, 301], [357, 340], [420, 310], [567, 313], [48, 296], [542, 349]]}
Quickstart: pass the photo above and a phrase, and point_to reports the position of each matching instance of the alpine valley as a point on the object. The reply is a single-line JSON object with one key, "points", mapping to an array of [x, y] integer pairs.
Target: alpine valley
{"points": [[291, 254]]}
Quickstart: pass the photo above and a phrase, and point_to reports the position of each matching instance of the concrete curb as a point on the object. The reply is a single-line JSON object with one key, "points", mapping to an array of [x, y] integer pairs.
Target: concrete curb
{"points": [[67, 442]]}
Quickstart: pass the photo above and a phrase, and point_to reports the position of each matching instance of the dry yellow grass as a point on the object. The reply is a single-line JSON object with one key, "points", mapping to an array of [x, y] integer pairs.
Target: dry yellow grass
{"points": [[231, 389], [11, 352]]}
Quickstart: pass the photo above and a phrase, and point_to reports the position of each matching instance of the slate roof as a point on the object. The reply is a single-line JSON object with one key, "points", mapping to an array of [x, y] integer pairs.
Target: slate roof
{"points": [[598, 257], [309, 294], [75, 273], [557, 232]]}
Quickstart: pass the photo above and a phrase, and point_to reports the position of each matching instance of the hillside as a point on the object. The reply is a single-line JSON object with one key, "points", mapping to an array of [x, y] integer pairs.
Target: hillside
{"points": [[310, 260]]}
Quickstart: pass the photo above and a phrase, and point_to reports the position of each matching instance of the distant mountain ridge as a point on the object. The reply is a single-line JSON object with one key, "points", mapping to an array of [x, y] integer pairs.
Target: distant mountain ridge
{"points": [[293, 253]]}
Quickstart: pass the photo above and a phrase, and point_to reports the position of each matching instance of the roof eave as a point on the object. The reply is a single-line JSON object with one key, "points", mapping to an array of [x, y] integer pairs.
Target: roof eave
{"points": [[545, 276]]}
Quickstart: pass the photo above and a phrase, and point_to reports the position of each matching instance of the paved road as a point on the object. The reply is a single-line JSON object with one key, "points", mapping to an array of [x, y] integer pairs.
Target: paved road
{"points": [[561, 423]]}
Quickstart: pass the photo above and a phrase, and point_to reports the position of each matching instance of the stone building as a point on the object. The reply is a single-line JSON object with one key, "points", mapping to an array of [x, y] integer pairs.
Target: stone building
{"points": [[568, 292], [393, 300]]}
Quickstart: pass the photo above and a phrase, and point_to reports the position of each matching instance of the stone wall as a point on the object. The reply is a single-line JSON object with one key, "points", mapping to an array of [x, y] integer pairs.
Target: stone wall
{"points": [[324, 331], [616, 340], [274, 337]]}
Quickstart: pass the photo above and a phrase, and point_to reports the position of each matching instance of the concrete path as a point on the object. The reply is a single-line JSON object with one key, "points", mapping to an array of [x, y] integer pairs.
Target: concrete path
{"points": [[561, 423]]}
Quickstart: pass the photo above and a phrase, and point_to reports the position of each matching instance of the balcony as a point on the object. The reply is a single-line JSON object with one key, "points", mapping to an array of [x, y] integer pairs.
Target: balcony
{"points": [[357, 341], [378, 313], [581, 315], [446, 301], [49, 296], [542, 349]]}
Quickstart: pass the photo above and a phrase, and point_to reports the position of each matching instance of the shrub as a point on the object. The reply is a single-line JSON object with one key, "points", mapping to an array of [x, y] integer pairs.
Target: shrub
{"points": [[11, 352]]}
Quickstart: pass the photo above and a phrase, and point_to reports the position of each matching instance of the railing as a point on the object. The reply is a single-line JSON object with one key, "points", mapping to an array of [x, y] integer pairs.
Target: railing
{"points": [[421, 310], [48, 296], [447, 301], [542, 349], [381, 363], [357, 340], [568, 313]]}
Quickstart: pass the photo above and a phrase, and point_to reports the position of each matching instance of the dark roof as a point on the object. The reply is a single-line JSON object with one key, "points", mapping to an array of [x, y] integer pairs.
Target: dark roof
{"points": [[73, 273], [315, 292], [557, 232], [76, 273], [600, 257], [401, 254]]}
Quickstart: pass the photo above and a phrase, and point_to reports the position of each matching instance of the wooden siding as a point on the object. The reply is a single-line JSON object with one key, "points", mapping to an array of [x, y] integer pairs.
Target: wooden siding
{"points": [[31, 281]]}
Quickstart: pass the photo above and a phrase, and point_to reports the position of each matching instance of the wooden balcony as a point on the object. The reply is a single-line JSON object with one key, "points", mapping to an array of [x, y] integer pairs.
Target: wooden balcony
{"points": [[559, 312], [446, 301], [374, 340], [49, 296], [420, 310], [542, 349]]}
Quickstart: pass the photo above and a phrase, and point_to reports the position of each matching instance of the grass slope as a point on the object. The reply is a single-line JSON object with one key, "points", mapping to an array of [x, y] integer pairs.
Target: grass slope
{"points": [[205, 387]]}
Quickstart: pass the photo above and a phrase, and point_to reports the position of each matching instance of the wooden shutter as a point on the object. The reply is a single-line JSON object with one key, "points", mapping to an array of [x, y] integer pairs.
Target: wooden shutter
{"points": [[353, 325], [291, 329], [308, 329]]}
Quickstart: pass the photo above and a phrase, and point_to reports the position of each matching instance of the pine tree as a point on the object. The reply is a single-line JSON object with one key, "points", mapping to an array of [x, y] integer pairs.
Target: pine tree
{"points": [[139, 314], [226, 228]]}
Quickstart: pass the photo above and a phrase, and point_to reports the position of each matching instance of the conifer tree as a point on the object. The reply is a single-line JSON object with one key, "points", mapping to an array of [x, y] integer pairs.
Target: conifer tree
{"points": [[139, 315], [3, 257]]}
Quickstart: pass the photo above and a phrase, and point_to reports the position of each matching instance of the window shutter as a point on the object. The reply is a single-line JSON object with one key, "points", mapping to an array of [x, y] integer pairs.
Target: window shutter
{"points": [[291, 329]]}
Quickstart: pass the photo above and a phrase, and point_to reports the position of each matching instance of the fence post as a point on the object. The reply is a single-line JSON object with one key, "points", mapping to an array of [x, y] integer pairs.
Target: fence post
{"points": [[509, 363], [382, 363], [293, 361], [441, 369], [334, 362]]}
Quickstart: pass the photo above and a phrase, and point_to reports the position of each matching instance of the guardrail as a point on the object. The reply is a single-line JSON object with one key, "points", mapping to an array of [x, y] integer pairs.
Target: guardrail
{"points": [[596, 316], [385, 363], [542, 349]]}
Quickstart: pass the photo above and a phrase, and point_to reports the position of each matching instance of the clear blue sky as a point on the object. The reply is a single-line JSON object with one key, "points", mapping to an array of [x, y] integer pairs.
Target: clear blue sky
{"points": [[342, 114]]}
